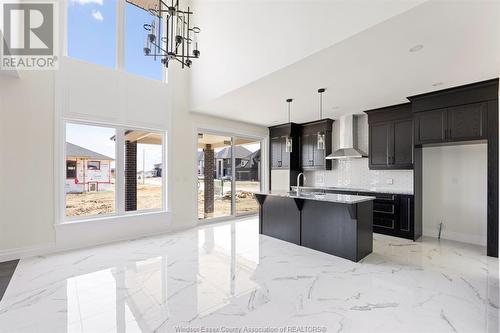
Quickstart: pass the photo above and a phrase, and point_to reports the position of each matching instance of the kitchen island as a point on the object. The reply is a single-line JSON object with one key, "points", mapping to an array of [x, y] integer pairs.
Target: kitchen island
{"points": [[337, 224]]}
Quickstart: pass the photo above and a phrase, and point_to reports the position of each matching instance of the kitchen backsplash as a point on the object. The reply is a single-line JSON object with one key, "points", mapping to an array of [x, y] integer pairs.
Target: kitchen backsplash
{"points": [[355, 173]]}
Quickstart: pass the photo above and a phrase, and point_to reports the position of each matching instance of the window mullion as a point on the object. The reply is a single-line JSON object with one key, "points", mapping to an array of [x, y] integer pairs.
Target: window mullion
{"points": [[120, 34], [120, 171]]}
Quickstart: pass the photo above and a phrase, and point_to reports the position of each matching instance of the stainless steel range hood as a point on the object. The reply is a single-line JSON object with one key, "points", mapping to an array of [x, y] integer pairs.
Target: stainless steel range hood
{"points": [[348, 140]]}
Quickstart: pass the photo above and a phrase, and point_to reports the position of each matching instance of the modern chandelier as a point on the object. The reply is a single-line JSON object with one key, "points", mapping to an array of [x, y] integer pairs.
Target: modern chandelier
{"points": [[170, 35]]}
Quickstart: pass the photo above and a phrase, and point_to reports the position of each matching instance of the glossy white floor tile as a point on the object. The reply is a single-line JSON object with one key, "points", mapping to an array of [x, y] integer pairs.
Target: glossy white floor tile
{"points": [[226, 275]]}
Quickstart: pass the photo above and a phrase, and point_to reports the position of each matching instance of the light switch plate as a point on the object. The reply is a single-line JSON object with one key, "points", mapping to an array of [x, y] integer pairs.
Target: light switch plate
{"points": [[389, 181]]}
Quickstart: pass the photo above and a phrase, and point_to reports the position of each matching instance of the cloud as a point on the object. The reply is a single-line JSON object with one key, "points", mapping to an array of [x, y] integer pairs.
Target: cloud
{"points": [[86, 2], [97, 15]]}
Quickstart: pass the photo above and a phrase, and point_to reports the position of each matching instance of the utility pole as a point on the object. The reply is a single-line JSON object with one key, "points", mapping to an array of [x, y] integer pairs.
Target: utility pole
{"points": [[143, 166]]}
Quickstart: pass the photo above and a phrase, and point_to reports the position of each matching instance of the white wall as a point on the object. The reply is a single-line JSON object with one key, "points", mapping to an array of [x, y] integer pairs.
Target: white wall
{"points": [[26, 155], [183, 151], [455, 192], [31, 113], [244, 40], [356, 173]]}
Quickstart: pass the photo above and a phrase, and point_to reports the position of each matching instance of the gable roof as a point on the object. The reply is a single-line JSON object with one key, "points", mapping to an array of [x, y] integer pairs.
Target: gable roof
{"points": [[73, 150], [253, 160], [239, 152]]}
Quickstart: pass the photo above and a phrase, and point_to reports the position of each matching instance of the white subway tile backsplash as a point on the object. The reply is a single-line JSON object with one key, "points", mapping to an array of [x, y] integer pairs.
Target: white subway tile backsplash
{"points": [[356, 174]]}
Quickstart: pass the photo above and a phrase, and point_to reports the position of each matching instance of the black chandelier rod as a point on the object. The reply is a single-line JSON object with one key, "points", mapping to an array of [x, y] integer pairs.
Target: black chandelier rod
{"points": [[168, 47]]}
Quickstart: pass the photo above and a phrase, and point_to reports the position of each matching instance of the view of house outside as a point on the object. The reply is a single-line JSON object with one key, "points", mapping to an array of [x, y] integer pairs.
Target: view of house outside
{"points": [[247, 178], [91, 170]]}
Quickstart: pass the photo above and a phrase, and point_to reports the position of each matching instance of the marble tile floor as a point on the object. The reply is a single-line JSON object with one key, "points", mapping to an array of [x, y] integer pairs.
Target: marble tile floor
{"points": [[228, 277]]}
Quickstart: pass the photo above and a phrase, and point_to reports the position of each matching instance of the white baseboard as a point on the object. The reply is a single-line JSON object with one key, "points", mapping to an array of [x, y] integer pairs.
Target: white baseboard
{"points": [[26, 252], [457, 236], [73, 236]]}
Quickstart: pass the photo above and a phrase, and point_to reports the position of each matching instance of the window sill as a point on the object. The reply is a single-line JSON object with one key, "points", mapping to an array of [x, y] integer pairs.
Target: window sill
{"points": [[113, 218]]}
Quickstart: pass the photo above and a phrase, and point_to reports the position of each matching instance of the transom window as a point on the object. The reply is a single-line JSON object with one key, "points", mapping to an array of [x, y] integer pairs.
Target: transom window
{"points": [[95, 32]]}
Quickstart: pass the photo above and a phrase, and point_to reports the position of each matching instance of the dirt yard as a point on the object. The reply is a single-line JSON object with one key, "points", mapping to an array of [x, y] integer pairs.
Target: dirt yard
{"points": [[98, 203], [149, 197], [245, 203]]}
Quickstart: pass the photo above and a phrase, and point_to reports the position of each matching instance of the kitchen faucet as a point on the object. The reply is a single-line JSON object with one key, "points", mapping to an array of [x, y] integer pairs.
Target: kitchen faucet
{"points": [[298, 182]]}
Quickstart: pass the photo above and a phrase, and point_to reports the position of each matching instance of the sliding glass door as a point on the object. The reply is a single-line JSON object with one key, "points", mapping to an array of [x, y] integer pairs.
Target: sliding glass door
{"points": [[248, 175], [228, 172]]}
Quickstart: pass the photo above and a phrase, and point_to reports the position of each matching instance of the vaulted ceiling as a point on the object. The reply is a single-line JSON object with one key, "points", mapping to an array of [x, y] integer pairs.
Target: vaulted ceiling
{"points": [[255, 54]]}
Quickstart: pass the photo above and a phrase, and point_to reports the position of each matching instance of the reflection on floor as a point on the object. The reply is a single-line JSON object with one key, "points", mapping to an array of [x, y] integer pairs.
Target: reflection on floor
{"points": [[228, 275]]}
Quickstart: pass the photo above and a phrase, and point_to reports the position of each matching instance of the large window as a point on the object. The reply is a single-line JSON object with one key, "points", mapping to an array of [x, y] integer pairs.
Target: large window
{"points": [[92, 31], [90, 170], [94, 171], [135, 60], [229, 172], [143, 170]]}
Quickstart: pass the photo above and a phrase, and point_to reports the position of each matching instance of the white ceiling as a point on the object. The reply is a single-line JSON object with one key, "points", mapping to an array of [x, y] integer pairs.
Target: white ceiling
{"points": [[243, 40], [374, 68]]}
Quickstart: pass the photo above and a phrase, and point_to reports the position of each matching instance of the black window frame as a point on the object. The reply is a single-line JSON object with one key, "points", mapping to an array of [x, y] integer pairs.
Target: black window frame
{"points": [[73, 171], [94, 169]]}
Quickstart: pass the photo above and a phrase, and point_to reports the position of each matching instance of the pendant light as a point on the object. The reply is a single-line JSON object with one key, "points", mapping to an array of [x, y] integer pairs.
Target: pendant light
{"points": [[321, 135], [289, 140]]}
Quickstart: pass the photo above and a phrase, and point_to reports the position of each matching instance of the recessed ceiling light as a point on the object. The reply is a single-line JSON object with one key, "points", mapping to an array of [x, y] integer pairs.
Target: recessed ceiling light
{"points": [[416, 48], [437, 84]]}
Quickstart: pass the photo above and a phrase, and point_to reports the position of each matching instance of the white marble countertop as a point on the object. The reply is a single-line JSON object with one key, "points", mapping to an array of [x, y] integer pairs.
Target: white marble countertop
{"points": [[355, 189], [327, 197]]}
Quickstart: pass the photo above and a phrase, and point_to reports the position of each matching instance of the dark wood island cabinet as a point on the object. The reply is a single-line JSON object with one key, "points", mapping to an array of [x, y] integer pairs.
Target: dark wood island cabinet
{"points": [[338, 224]]}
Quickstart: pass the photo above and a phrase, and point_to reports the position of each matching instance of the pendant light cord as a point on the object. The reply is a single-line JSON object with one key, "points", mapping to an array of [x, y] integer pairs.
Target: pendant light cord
{"points": [[321, 91], [321, 106], [289, 101]]}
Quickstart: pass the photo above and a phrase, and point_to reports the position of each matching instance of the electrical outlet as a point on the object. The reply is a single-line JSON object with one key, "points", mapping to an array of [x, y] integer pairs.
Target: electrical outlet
{"points": [[389, 181]]}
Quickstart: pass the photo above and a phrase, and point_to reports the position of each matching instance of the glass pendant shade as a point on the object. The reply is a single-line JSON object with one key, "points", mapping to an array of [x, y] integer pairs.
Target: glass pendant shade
{"points": [[321, 141], [288, 144]]}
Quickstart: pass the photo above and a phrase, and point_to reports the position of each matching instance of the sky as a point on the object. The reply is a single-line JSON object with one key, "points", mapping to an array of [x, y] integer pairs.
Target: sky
{"points": [[92, 36]]}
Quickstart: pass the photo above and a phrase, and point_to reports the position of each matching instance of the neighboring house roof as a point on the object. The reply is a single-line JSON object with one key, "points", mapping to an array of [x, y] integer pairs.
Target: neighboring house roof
{"points": [[253, 160], [239, 152], [77, 151]]}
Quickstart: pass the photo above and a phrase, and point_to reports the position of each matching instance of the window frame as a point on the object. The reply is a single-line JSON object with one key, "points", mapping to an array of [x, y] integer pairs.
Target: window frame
{"points": [[66, 169], [119, 173], [120, 55], [94, 169]]}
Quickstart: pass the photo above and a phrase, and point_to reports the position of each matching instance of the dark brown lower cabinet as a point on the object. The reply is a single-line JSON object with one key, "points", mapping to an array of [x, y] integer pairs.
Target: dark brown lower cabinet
{"points": [[393, 214]]}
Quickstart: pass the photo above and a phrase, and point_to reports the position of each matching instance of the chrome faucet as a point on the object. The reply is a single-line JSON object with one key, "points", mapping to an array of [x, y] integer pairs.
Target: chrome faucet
{"points": [[298, 182]]}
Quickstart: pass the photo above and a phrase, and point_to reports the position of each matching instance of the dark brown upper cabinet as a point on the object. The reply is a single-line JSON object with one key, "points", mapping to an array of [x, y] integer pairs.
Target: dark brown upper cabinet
{"points": [[312, 157], [430, 126], [467, 122], [452, 124], [391, 137], [279, 157]]}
